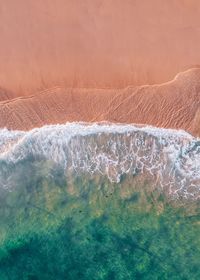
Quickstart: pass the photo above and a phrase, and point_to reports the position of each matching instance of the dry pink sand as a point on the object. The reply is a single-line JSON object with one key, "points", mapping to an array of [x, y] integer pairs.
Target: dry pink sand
{"points": [[88, 60]]}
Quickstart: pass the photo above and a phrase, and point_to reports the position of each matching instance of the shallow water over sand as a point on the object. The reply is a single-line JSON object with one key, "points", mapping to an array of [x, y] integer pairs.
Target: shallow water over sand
{"points": [[82, 201]]}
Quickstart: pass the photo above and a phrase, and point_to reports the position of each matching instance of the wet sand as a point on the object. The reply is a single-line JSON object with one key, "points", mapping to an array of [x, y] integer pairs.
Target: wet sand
{"points": [[175, 104]]}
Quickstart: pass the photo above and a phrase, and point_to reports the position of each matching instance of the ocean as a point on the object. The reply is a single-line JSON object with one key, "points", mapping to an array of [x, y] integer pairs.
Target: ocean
{"points": [[99, 201]]}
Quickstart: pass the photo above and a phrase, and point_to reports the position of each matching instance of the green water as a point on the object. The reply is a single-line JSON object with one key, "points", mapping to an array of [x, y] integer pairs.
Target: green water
{"points": [[79, 227]]}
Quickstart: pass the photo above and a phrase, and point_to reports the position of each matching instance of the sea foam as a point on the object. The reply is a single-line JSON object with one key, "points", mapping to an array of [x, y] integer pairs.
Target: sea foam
{"points": [[171, 158]]}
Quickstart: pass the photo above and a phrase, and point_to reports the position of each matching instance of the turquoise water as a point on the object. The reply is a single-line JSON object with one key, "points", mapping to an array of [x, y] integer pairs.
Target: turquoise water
{"points": [[54, 226]]}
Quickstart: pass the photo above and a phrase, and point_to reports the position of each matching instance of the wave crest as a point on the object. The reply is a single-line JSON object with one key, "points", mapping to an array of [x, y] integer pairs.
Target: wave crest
{"points": [[171, 158]]}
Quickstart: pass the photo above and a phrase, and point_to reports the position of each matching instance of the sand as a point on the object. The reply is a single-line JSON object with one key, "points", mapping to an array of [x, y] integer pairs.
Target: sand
{"points": [[100, 60], [175, 104], [96, 43]]}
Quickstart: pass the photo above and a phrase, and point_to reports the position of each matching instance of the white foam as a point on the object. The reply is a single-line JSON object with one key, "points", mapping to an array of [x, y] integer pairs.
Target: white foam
{"points": [[170, 157]]}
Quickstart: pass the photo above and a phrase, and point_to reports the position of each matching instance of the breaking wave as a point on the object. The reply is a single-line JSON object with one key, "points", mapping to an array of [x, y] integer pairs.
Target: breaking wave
{"points": [[169, 158]]}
